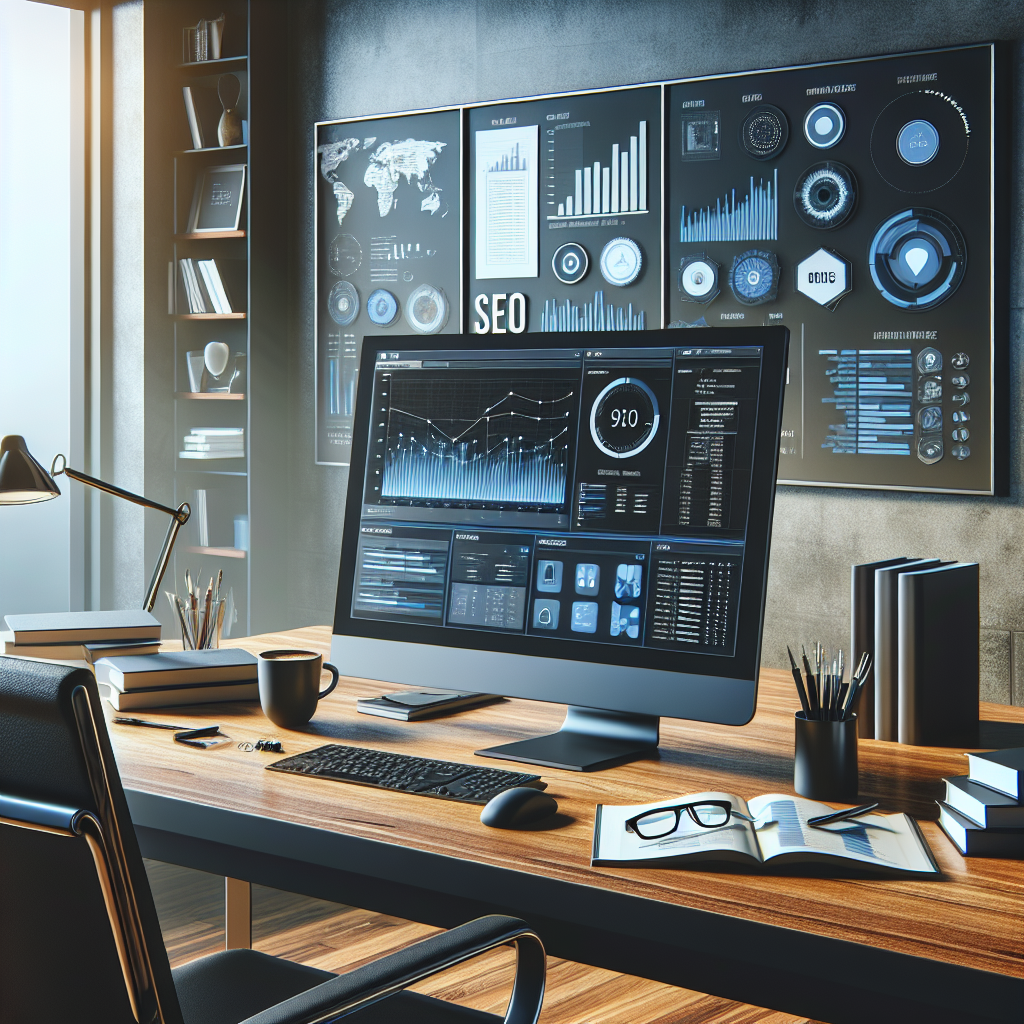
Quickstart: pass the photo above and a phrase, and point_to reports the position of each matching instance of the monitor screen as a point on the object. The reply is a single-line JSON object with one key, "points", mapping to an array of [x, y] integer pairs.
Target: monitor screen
{"points": [[582, 519]]}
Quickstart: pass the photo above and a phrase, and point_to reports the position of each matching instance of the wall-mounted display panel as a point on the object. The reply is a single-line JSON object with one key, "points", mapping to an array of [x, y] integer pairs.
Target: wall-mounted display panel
{"points": [[389, 237], [564, 211], [854, 204]]}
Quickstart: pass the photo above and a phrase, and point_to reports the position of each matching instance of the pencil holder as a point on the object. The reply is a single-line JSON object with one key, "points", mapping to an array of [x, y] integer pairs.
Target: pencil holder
{"points": [[825, 759]]}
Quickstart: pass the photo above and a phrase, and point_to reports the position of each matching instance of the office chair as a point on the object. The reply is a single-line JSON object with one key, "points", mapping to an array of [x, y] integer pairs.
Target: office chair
{"points": [[79, 936]]}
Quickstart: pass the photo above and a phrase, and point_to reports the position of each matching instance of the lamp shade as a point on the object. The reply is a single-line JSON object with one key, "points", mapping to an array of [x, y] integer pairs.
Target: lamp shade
{"points": [[22, 479]]}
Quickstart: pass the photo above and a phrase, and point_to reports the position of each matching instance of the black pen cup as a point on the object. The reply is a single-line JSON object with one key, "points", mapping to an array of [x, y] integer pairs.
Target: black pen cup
{"points": [[825, 759]]}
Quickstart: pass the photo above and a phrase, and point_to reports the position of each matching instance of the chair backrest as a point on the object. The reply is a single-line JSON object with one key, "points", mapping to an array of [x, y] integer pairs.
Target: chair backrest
{"points": [[79, 936]]}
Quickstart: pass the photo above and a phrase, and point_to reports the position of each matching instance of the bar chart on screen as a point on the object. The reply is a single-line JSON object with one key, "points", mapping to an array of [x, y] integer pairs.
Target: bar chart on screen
{"points": [[615, 183]]}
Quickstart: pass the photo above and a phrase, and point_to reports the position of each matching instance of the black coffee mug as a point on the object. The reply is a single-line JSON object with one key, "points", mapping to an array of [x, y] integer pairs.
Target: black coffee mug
{"points": [[290, 685]]}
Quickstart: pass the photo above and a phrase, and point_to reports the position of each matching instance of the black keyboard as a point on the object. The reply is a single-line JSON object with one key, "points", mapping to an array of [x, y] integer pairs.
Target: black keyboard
{"points": [[466, 782]]}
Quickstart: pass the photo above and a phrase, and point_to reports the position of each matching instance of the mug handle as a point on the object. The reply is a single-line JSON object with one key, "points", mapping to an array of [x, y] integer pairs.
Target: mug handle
{"points": [[334, 682]]}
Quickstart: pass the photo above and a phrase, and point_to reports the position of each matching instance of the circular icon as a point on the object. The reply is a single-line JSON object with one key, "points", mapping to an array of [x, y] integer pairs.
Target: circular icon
{"points": [[960, 361], [754, 277], [343, 303], [929, 360], [344, 255], [929, 389], [698, 278], [917, 259], [427, 309], [570, 263], [624, 418], [824, 125], [825, 195], [960, 380], [917, 143], [961, 452], [961, 434], [929, 450], [930, 418], [382, 308], [919, 140], [961, 417], [621, 261], [962, 398], [764, 132]]}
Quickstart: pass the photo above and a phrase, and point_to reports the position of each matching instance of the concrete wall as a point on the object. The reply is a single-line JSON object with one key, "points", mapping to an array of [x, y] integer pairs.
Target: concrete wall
{"points": [[362, 58]]}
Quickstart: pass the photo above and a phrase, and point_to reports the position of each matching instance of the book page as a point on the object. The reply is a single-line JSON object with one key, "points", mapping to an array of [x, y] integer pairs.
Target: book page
{"points": [[613, 843], [880, 840]]}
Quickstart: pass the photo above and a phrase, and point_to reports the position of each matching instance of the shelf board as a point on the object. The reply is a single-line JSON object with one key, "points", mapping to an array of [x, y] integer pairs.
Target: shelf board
{"points": [[217, 552], [219, 63], [198, 236], [208, 472], [212, 149], [209, 316], [203, 396]]}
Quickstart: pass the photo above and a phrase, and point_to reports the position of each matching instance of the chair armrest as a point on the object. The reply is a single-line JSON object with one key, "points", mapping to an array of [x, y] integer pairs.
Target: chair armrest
{"points": [[391, 974]]}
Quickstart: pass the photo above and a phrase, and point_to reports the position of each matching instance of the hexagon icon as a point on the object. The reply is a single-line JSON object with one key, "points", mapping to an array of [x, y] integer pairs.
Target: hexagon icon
{"points": [[825, 277]]}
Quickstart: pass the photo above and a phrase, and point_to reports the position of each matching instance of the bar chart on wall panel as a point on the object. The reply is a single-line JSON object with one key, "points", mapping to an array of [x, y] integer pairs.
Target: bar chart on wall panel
{"points": [[615, 185]]}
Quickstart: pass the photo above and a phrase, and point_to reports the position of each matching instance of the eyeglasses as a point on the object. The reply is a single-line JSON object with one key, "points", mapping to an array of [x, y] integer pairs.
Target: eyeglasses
{"points": [[663, 821]]}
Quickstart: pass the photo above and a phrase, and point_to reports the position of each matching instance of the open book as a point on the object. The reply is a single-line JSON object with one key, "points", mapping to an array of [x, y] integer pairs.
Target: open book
{"points": [[779, 834]]}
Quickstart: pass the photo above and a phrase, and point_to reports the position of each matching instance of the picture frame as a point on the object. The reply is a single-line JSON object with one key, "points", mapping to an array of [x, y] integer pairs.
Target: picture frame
{"points": [[217, 200]]}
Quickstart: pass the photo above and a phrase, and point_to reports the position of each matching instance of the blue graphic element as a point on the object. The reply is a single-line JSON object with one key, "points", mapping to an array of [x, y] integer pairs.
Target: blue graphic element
{"points": [[591, 316], [627, 580], [625, 619], [513, 452], [752, 278], [784, 813], [856, 841], [753, 219]]}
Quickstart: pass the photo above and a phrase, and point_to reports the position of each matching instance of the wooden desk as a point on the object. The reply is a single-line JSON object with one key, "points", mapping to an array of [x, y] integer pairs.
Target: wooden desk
{"points": [[832, 949]]}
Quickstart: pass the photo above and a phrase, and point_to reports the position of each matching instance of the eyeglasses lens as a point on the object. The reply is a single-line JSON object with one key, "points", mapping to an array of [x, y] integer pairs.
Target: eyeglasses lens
{"points": [[710, 815], [657, 824]]}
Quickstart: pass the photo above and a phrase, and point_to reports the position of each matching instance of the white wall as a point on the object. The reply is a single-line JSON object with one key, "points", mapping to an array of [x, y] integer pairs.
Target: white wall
{"points": [[41, 330]]}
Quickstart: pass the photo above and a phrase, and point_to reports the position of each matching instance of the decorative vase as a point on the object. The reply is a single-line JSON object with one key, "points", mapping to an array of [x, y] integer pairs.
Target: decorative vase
{"points": [[229, 128]]}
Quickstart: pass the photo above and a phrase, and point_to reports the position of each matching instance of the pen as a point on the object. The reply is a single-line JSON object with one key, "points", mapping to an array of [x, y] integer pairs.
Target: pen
{"points": [[195, 734], [850, 812], [799, 685], [811, 690], [151, 725]]}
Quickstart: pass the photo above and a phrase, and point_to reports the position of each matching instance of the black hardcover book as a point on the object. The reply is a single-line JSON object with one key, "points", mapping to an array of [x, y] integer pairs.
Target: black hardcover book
{"points": [[862, 634], [939, 676], [887, 652], [412, 705], [974, 841], [984, 806]]}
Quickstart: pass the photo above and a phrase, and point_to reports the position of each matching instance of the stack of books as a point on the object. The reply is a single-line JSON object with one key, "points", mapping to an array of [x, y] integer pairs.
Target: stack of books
{"points": [[204, 287], [983, 813], [214, 443], [176, 678], [81, 636]]}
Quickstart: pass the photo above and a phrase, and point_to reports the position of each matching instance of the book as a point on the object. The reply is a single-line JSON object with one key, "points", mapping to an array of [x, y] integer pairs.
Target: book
{"points": [[974, 841], [411, 706], [176, 669], [178, 696], [211, 455], [215, 285], [67, 627], [80, 652], [194, 126], [985, 806], [1001, 770], [780, 835]]}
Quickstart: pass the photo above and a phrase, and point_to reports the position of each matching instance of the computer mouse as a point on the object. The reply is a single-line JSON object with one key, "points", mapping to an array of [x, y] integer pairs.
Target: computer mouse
{"points": [[517, 808]]}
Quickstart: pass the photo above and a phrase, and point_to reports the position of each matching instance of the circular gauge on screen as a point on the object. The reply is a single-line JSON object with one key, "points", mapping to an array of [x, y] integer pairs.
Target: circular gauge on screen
{"points": [[621, 261], [570, 263], [426, 309], [344, 255], [343, 303], [382, 308], [624, 418]]}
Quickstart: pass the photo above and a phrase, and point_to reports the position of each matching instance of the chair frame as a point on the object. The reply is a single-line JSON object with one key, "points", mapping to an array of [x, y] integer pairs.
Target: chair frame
{"points": [[349, 993]]}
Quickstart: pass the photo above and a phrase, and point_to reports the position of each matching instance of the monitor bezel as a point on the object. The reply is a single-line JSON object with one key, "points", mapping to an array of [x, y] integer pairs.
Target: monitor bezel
{"points": [[361, 647]]}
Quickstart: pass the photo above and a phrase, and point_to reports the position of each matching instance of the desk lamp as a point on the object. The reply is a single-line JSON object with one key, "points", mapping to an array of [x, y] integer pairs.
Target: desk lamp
{"points": [[23, 481]]}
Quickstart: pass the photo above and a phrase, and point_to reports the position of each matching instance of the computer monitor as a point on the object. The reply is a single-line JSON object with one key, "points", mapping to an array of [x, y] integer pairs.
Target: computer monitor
{"points": [[582, 519]]}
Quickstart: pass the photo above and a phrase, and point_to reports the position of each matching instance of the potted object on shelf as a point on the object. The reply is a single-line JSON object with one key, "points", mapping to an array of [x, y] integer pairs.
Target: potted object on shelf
{"points": [[229, 130]]}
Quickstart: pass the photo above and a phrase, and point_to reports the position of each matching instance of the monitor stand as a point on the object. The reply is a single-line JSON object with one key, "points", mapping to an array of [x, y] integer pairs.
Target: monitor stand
{"points": [[589, 741]]}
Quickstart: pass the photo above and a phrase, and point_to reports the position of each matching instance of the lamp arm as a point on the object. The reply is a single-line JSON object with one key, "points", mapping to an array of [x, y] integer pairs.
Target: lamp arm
{"points": [[179, 516]]}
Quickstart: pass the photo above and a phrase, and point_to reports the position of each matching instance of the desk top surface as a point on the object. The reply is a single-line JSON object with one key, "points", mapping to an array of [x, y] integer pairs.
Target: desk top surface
{"points": [[973, 915]]}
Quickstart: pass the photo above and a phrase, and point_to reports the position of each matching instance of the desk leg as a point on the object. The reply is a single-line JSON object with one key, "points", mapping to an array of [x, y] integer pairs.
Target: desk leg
{"points": [[237, 914]]}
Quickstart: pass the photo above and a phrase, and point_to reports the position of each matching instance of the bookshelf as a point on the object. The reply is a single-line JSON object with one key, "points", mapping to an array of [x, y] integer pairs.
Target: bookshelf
{"points": [[250, 261]]}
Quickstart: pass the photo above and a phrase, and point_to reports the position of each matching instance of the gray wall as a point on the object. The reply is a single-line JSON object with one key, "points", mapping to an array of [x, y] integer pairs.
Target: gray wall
{"points": [[361, 58]]}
